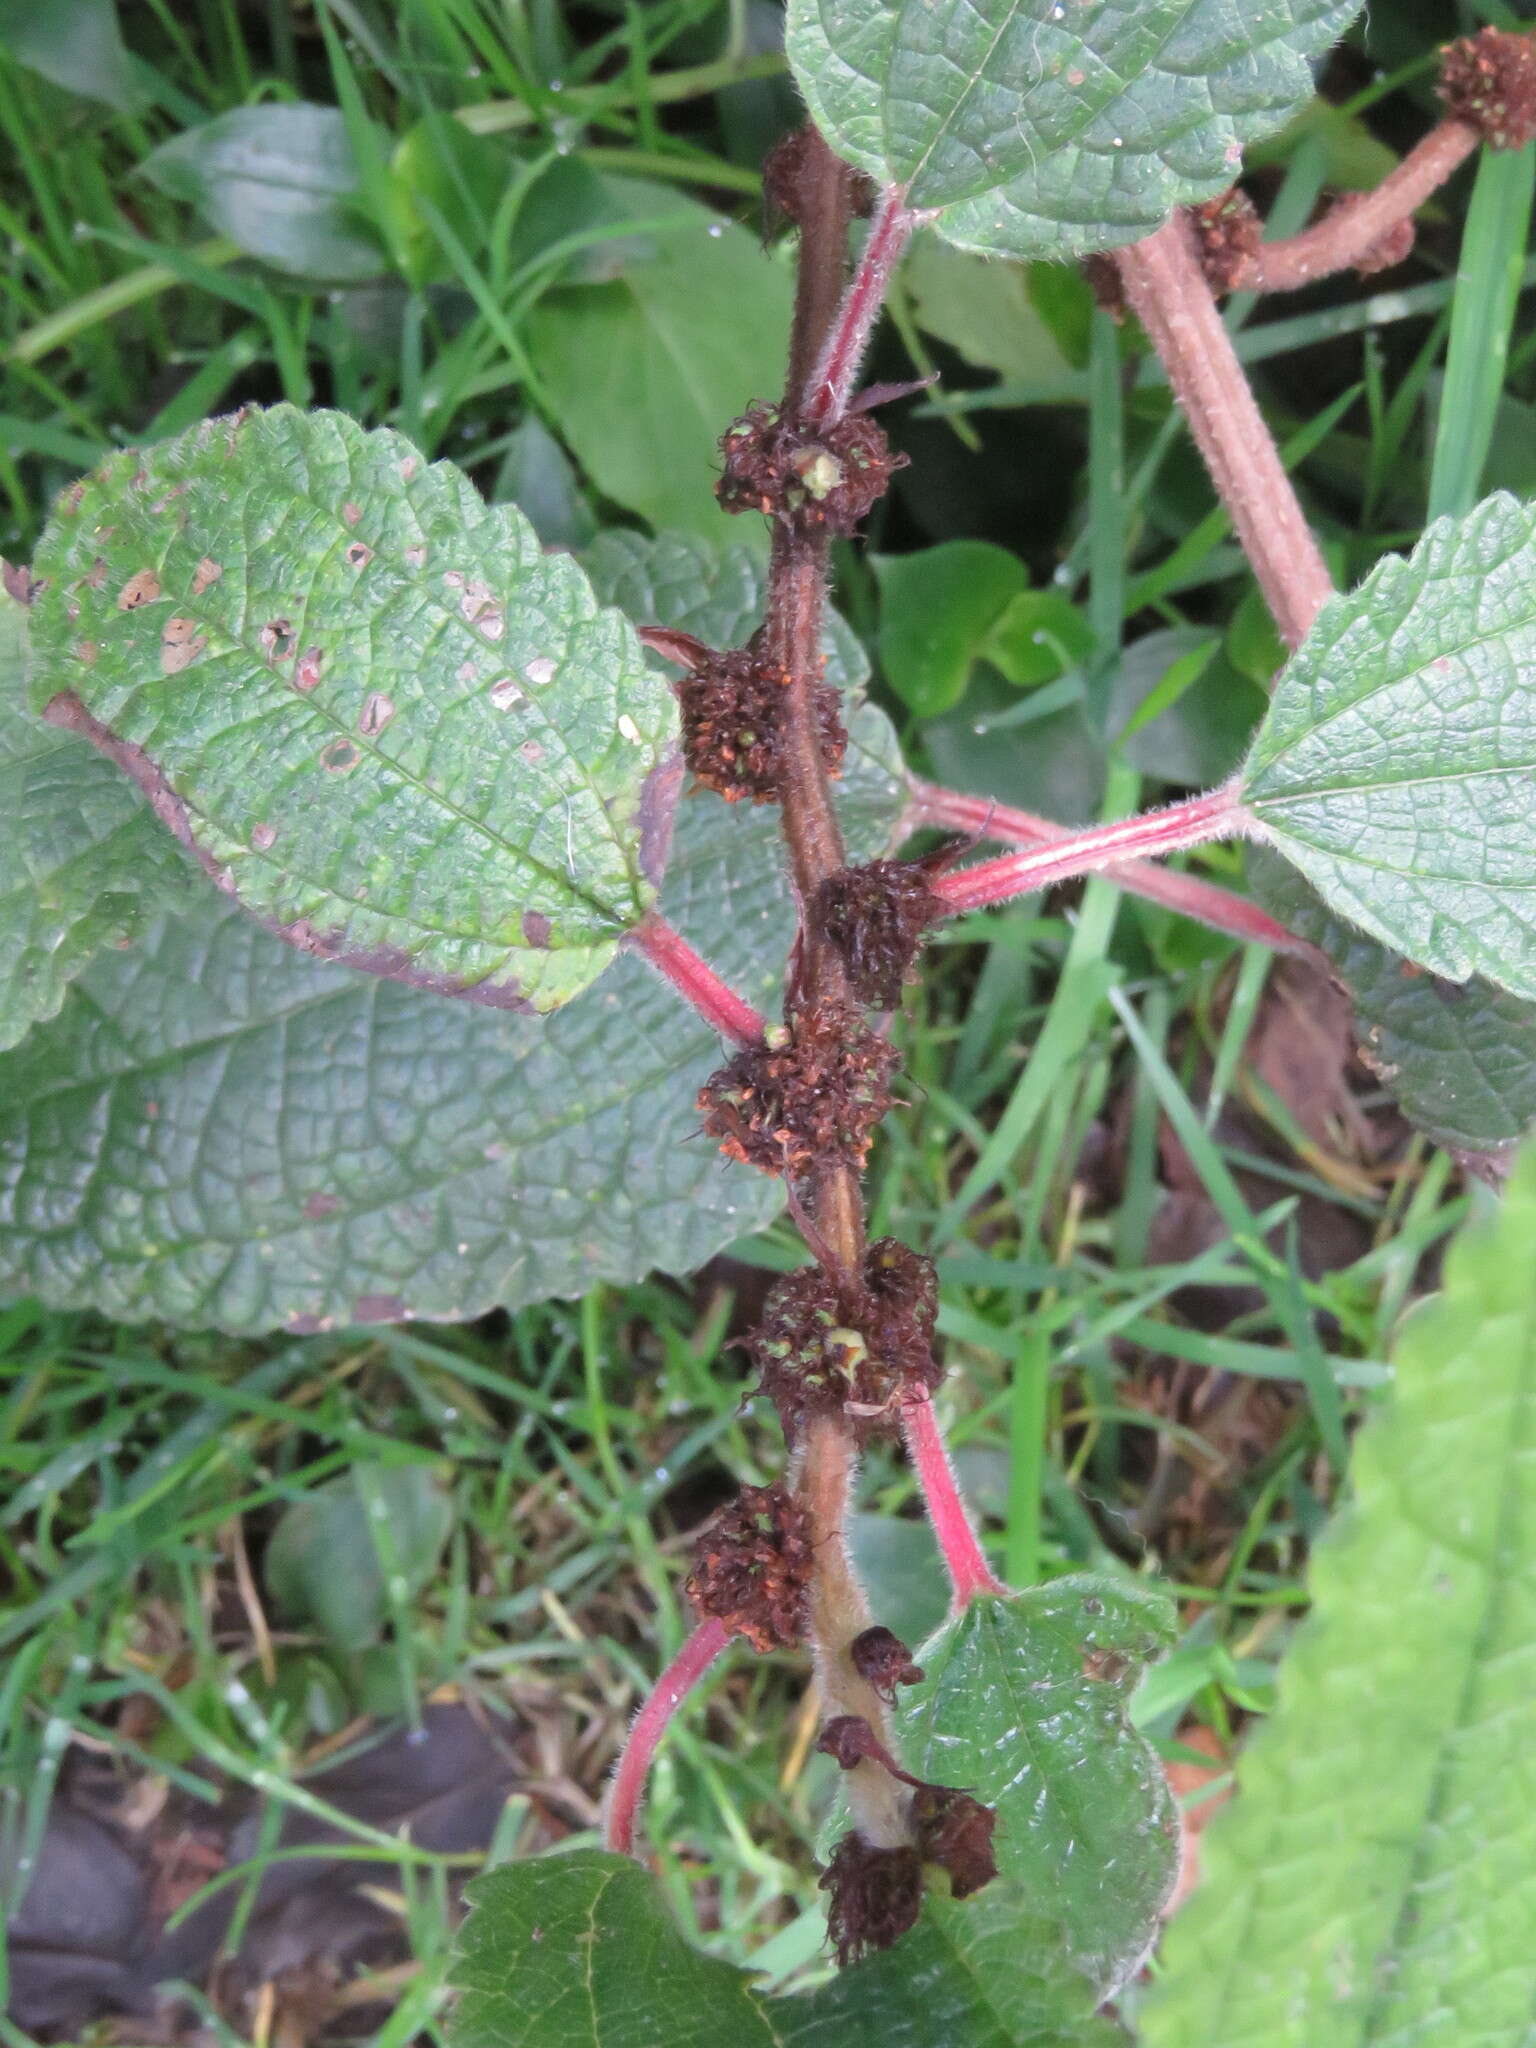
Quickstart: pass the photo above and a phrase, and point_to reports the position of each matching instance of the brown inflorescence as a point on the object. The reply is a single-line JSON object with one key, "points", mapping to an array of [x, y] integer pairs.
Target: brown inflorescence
{"points": [[752, 1568], [883, 1661], [876, 1896], [1229, 232], [826, 479], [731, 709], [949, 1827], [814, 1090], [848, 1739], [1489, 81], [858, 1359], [955, 1831], [876, 916]]}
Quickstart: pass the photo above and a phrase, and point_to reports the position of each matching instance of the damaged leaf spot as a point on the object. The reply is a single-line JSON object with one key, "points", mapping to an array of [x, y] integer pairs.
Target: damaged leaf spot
{"points": [[207, 571], [540, 670], [379, 1308], [180, 645], [505, 693], [276, 638], [307, 673], [359, 554], [351, 512], [319, 1206], [143, 588], [483, 611], [96, 575], [629, 730], [340, 757], [378, 710], [86, 651], [531, 752], [263, 837], [415, 557]]}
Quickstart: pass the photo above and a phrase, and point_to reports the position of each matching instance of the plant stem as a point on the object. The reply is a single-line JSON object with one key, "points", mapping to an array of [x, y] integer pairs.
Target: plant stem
{"points": [[1169, 293], [696, 981], [824, 205], [1217, 815], [622, 1806], [791, 642], [1347, 233], [1223, 910], [830, 384], [839, 1612], [969, 1572]]}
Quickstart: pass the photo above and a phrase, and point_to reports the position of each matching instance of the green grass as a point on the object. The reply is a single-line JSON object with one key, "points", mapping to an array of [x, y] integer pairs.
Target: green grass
{"points": [[1048, 1052]]}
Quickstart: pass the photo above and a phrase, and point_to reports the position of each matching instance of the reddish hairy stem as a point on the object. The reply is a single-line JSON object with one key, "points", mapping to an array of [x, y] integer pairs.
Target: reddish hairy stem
{"points": [[1217, 815], [1207, 902], [696, 981], [1169, 293], [969, 1572], [830, 384], [622, 1806], [1348, 233]]}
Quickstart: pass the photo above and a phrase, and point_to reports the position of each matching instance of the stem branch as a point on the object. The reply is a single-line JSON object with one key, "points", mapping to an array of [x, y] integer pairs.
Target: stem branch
{"points": [[969, 1572], [622, 1806], [1349, 232], [1217, 815], [1223, 910], [830, 384], [1169, 293], [696, 981]]}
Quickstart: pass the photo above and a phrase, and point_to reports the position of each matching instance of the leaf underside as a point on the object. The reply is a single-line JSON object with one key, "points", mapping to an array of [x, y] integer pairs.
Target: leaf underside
{"points": [[1375, 1880], [1024, 1705], [1460, 1057], [1054, 127], [83, 862], [383, 719], [1397, 766], [580, 1951], [219, 1131]]}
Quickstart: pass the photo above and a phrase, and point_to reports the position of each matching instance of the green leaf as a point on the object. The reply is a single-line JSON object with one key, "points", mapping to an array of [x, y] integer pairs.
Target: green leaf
{"points": [[282, 181], [77, 44], [1040, 635], [1460, 1058], [1041, 128], [439, 170], [983, 309], [579, 1951], [1395, 768], [1373, 1882], [83, 863], [644, 372], [327, 1558], [382, 717], [536, 476], [937, 607], [1024, 1705], [217, 1130]]}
